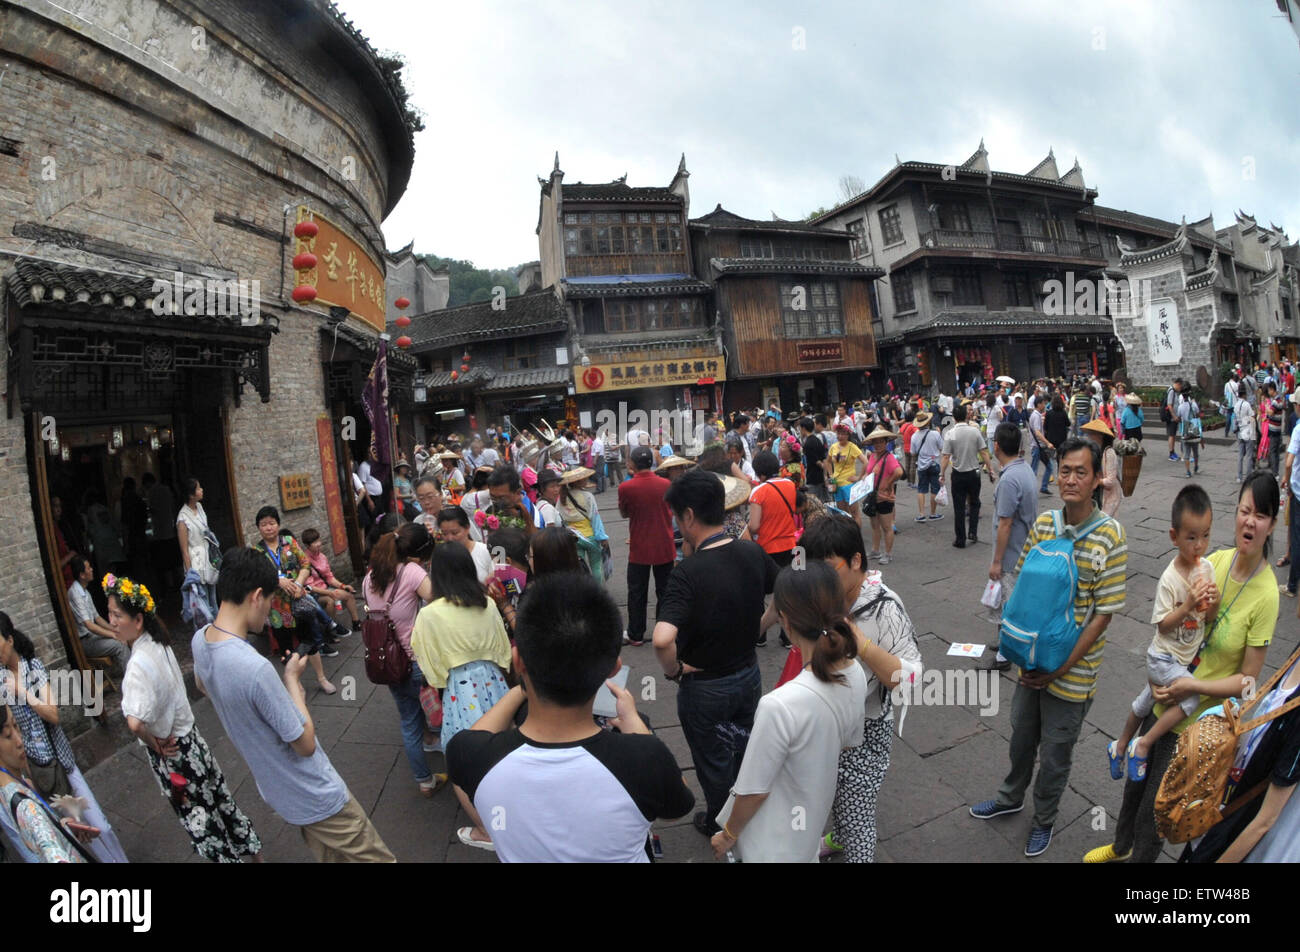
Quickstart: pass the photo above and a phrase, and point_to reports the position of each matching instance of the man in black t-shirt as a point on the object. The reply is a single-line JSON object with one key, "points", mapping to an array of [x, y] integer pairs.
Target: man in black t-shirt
{"points": [[558, 788], [709, 620], [814, 451]]}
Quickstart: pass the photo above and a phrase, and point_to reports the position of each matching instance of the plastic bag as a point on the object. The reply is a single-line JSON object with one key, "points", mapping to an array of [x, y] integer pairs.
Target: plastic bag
{"points": [[941, 498], [992, 597]]}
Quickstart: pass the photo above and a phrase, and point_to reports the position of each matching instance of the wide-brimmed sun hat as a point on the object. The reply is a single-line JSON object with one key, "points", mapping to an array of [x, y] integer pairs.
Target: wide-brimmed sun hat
{"points": [[1132, 399], [672, 461], [735, 491], [880, 433], [922, 420], [1098, 426], [577, 475]]}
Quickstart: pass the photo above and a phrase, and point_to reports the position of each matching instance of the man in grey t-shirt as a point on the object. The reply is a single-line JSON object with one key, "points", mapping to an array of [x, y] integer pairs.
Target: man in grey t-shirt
{"points": [[268, 722], [964, 450], [1015, 507]]}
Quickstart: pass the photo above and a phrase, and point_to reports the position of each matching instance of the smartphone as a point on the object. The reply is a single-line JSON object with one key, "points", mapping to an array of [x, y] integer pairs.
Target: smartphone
{"points": [[81, 827], [306, 649]]}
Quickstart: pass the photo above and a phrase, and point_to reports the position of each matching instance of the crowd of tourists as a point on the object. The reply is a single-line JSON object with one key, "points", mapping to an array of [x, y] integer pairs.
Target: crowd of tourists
{"points": [[485, 611]]}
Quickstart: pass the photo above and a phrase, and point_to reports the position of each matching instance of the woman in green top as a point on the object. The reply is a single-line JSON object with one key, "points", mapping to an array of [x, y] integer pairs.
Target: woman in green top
{"points": [[1239, 627]]}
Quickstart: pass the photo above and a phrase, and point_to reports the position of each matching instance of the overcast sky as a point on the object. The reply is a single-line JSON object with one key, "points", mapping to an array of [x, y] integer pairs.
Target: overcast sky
{"points": [[1173, 108]]}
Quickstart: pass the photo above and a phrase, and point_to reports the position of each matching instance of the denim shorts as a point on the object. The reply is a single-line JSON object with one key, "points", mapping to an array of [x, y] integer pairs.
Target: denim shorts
{"points": [[842, 494], [927, 480]]}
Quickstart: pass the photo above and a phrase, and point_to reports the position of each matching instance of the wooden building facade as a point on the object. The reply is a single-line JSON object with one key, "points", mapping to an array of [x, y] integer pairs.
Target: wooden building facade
{"points": [[795, 311]]}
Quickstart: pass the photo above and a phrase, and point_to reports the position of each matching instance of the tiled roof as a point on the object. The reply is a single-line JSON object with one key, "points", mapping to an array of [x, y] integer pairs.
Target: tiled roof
{"points": [[1004, 322], [1155, 226], [519, 379], [487, 378], [720, 218], [615, 191], [633, 285], [33, 281], [793, 266], [525, 314], [961, 172]]}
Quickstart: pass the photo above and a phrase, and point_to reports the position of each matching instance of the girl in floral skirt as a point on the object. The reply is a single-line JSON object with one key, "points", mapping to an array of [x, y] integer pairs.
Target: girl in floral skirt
{"points": [[461, 645], [157, 711]]}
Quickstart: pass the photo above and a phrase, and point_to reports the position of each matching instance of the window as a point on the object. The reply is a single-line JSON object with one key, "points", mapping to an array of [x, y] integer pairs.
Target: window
{"points": [[858, 243], [650, 316], [571, 240], [1018, 290], [755, 248], [967, 288], [570, 219], [811, 310], [891, 225], [602, 239], [588, 243], [954, 217], [521, 355], [904, 293]]}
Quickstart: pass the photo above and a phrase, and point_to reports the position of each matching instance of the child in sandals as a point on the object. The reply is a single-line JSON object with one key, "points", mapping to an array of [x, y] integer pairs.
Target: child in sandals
{"points": [[1185, 591]]}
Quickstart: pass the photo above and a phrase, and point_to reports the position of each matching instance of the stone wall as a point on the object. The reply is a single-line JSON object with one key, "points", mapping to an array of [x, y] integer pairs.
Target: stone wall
{"points": [[126, 149], [1197, 316]]}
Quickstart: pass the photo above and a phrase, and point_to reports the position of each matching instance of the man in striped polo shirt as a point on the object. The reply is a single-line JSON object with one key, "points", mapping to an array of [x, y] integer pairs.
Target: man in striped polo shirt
{"points": [[1048, 708]]}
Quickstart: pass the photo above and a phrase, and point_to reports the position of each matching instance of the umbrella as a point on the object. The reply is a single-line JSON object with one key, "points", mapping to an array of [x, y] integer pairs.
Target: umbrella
{"points": [[1006, 379]]}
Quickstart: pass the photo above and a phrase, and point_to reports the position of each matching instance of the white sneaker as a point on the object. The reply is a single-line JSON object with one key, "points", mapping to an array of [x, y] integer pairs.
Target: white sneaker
{"points": [[885, 559]]}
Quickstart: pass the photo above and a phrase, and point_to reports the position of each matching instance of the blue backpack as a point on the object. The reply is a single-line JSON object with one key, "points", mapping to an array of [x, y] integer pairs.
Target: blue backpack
{"points": [[1038, 628]]}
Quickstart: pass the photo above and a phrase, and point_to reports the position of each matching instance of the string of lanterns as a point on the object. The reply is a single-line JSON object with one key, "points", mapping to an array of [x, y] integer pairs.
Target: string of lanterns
{"points": [[403, 322], [304, 261]]}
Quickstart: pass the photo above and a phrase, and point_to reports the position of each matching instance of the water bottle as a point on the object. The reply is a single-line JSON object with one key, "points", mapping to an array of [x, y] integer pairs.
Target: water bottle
{"points": [[1203, 571]]}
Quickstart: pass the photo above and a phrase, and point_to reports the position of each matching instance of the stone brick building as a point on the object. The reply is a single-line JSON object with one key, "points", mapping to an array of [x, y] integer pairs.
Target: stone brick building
{"points": [[145, 140]]}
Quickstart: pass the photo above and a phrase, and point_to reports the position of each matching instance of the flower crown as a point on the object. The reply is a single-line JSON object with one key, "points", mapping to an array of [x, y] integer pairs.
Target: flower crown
{"points": [[128, 592]]}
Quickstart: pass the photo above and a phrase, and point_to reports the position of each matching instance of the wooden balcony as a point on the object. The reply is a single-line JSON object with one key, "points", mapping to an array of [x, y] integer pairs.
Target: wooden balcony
{"points": [[1018, 244], [583, 266]]}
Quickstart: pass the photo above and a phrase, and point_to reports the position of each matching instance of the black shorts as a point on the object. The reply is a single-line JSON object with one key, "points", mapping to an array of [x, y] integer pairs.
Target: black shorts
{"points": [[1171, 429], [782, 559], [884, 508]]}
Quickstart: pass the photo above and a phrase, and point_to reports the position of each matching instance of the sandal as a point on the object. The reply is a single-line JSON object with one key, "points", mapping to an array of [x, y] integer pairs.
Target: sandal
{"points": [[1116, 761], [466, 835], [1286, 591], [1284, 561], [1137, 766]]}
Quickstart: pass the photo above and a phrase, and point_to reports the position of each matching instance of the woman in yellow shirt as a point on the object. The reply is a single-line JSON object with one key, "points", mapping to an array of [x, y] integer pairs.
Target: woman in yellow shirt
{"points": [[844, 467], [461, 646]]}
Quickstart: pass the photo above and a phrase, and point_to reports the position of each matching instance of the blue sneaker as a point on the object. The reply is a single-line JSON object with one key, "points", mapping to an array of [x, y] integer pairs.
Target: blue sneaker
{"points": [[1040, 837], [988, 809]]}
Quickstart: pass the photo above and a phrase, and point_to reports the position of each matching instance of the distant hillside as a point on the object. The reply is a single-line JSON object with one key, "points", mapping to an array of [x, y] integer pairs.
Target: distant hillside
{"points": [[470, 284]]}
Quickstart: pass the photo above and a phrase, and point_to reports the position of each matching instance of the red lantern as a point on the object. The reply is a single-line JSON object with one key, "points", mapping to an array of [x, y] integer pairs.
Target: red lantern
{"points": [[464, 358], [305, 229], [303, 293], [304, 262], [464, 368], [403, 342], [402, 302], [455, 375], [403, 321]]}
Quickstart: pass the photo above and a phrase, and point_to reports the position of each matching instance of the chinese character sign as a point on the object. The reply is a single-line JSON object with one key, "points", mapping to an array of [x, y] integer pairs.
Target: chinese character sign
{"points": [[295, 491], [344, 273], [1164, 338], [599, 378]]}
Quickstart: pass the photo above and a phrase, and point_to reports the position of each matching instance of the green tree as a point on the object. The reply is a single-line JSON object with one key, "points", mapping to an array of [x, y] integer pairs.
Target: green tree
{"points": [[468, 284]]}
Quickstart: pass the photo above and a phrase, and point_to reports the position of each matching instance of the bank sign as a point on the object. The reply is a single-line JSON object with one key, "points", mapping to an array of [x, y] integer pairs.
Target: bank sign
{"points": [[660, 372]]}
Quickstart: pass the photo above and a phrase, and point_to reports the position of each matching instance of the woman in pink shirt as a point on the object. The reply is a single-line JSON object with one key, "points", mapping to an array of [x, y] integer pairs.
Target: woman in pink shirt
{"points": [[322, 583], [398, 582]]}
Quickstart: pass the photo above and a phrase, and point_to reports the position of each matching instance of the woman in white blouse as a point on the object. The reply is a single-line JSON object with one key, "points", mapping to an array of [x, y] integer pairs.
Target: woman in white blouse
{"points": [[196, 540], [786, 785], [157, 711]]}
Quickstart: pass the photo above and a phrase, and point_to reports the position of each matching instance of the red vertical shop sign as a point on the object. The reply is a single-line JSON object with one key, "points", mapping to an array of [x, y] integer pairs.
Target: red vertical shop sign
{"points": [[329, 474]]}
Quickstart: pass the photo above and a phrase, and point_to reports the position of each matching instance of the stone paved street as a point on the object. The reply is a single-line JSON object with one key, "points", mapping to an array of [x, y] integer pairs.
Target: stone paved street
{"points": [[948, 757]]}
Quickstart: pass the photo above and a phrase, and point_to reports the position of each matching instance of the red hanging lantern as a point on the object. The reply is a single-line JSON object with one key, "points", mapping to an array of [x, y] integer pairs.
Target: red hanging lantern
{"points": [[305, 229], [403, 321], [304, 293], [403, 342], [402, 303], [304, 261], [464, 368], [464, 358], [455, 375]]}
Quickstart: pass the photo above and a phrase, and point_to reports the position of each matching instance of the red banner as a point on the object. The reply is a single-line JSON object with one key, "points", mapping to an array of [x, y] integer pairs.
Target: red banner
{"points": [[329, 472]]}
